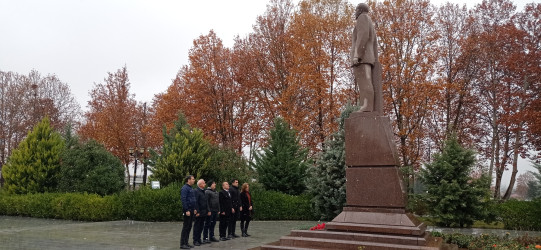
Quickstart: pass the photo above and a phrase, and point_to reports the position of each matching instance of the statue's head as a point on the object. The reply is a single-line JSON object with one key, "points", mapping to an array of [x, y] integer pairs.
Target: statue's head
{"points": [[361, 8]]}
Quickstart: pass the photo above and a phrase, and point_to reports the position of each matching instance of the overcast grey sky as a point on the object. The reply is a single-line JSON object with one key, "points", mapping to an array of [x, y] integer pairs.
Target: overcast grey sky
{"points": [[81, 40]]}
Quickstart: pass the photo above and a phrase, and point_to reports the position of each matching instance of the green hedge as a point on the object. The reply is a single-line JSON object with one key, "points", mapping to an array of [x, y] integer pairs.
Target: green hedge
{"points": [[152, 205], [273, 205], [489, 241], [520, 215], [142, 205]]}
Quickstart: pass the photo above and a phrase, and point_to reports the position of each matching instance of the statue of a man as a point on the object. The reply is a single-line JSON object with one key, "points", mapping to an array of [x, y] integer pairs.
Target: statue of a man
{"points": [[364, 56]]}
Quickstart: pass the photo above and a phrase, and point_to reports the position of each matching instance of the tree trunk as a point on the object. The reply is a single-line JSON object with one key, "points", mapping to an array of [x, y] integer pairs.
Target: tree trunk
{"points": [[145, 165], [500, 166], [493, 148], [515, 170], [128, 173], [516, 146]]}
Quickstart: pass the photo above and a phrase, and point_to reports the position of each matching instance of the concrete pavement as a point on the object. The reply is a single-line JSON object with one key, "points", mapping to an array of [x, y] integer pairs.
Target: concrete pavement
{"points": [[34, 233]]}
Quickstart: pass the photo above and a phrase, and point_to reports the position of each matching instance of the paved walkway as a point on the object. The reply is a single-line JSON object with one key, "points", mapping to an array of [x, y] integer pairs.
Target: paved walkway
{"points": [[34, 233]]}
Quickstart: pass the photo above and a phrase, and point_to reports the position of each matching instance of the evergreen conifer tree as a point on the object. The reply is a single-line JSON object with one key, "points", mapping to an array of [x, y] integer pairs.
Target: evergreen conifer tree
{"points": [[327, 179], [185, 152], [89, 167], [534, 187], [282, 165], [34, 166], [453, 196], [226, 164]]}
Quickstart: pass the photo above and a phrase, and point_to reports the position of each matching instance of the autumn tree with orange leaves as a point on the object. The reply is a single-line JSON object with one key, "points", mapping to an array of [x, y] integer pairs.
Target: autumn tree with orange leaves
{"points": [[111, 116], [455, 104], [319, 81], [502, 86], [263, 63], [233, 95], [530, 22], [164, 111], [407, 36], [444, 72]]}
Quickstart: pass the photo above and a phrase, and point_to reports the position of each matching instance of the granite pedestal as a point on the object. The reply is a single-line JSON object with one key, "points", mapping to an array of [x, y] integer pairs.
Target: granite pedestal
{"points": [[375, 216]]}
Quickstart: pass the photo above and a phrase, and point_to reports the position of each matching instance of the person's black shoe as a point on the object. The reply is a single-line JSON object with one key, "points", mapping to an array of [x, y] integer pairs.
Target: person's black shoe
{"points": [[205, 241], [247, 235], [229, 237], [244, 235], [223, 239], [236, 236], [184, 247], [196, 243], [190, 246], [214, 239]]}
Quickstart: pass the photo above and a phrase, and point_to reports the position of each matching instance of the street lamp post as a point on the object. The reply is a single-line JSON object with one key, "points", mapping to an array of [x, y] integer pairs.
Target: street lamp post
{"points": [[136, 153]]}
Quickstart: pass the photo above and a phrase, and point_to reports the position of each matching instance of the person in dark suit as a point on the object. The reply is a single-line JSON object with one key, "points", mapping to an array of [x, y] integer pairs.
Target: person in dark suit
{"points": [[187, 198], [235, 200], [201, 206], [247, 209], [226, 210]]}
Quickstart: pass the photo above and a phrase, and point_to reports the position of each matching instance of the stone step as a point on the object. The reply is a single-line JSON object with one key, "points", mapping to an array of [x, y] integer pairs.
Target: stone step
{"points": [[316, 243], [271, 247], [374, 228], [355, 236]]}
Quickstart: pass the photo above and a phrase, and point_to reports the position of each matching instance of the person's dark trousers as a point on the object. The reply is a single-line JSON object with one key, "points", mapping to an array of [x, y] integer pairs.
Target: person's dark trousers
{"points": [[232, 223], [198, 228], [224, 224], [210, 224], [244, 222], [186, 228]]}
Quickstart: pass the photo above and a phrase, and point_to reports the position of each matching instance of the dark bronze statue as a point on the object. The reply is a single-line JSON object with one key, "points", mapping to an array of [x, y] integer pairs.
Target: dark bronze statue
{"points": [[363, 58]]}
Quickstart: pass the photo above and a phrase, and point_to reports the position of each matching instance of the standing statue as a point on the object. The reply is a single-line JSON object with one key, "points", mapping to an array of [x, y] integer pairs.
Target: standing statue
{"points": [[364, 57]]}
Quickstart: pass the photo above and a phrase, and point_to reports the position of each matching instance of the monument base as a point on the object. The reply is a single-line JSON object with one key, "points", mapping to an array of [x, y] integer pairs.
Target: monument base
{"points": [[375, 216], [377, 222], [366, 229]]}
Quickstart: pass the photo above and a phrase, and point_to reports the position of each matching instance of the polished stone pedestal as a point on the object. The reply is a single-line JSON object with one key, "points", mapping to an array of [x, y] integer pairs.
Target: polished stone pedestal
{"points": [[375, 216]]}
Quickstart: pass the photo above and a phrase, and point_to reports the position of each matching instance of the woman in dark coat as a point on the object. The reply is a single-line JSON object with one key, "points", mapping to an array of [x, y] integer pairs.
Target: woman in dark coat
{"points": [[247, 209]]}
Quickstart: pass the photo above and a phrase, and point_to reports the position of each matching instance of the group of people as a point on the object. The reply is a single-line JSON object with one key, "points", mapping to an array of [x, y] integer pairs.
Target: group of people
{"points": [[201, 207]]}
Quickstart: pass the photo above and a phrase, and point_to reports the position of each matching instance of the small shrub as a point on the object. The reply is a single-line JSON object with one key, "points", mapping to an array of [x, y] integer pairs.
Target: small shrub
{"points": [[490, 241], [436, 234], [526, 240], [461, 240], [520, 215]]}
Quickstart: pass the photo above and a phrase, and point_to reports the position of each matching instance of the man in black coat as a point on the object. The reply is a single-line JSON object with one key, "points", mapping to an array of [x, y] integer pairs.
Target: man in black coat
{"points": [[201, 206], [226, 210], [235, 200]]}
